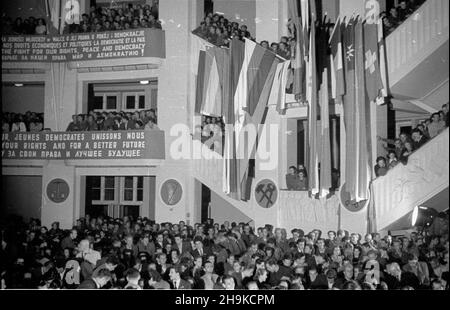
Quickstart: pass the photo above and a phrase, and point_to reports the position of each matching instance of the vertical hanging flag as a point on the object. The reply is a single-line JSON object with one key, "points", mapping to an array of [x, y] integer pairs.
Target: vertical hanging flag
{"points": [[349, 107], [312, 114], [382, 63], [371, 60], [337, 63], [323, 61], [362, 117]]}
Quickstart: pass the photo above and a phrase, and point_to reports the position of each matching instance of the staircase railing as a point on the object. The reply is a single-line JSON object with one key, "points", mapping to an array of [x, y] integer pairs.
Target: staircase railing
{"points": [[406, 186], [416, 38]]}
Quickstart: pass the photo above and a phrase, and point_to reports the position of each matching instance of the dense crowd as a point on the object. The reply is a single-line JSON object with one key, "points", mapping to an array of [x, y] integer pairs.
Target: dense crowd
{"points": [[399, 14], [30, 121], [138, 253], [128, 16], [398, 150], [218, 30], [112, 120]]}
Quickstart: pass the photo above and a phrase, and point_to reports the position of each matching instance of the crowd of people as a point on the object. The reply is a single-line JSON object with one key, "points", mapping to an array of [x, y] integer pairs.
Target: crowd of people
{"points": [[30, 121], [99, 18], [112, 120], [218, 30], [129, 253], [398, 150], [397, 15]]}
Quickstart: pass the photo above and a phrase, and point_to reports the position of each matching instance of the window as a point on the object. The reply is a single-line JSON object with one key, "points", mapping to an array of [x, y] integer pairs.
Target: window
{"points": [[106, 101], [132, 190], [116, 195], [104, 190], [133, 101]]}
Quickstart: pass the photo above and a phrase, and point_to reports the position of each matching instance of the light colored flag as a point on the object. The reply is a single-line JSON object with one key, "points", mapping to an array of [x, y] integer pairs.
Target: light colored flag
{"points": [[383, 64]]}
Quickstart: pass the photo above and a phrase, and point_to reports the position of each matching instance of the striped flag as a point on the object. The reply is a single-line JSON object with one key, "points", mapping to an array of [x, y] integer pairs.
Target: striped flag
{"points": [[250, 101]]}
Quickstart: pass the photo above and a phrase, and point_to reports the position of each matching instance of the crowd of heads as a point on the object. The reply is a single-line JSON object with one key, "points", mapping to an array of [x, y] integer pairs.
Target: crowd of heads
{"points": [[218, 30], [30, 121], [398, 150], [99, 18], [138, 253], [113, 120], [30, 25], [397, 15]]}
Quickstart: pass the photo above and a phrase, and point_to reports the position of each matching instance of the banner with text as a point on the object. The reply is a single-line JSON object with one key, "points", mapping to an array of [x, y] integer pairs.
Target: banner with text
{"points": [[131, 144], [84, 46]]}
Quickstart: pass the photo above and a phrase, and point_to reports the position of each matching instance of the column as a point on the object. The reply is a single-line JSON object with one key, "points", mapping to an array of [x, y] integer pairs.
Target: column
{"points": [[179, 18], [267, 21], [63, 212]]}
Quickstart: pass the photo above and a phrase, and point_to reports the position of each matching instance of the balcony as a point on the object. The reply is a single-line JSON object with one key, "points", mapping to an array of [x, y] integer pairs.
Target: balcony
{"points": [[84, 148], [417, 54], [85, 50], [424, 177]]}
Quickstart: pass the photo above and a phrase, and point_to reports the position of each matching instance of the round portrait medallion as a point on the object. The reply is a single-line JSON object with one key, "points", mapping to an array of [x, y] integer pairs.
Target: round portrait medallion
{"points": [[171, 192]]}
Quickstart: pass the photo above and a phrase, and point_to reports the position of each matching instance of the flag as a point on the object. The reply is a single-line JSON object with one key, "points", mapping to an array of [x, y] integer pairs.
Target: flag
{"points": [[237, 51], [382, 63], [250, 101], [337, 63], [312, 114], [278, 92], [200, 81], [212, 92], [54, 12], [362, 118], [371, 60], [349, 107], [323, 61]]}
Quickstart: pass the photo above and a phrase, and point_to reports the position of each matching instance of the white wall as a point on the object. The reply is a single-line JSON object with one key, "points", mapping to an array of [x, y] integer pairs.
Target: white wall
{"points": [[222, 211]]}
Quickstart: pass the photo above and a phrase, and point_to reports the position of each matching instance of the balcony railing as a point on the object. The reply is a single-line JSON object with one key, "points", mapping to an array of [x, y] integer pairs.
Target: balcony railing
{"points": [[416, 38], [406, 186]]}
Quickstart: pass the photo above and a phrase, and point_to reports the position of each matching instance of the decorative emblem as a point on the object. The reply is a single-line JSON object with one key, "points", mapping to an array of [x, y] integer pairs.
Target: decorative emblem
{"points": [[171, 192], [58, 190], [371, 58], [266, 193], [351, 204]]}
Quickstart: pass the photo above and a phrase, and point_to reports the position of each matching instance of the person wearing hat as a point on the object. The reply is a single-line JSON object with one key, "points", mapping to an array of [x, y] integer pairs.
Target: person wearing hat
{"points": [[295, 235]]}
